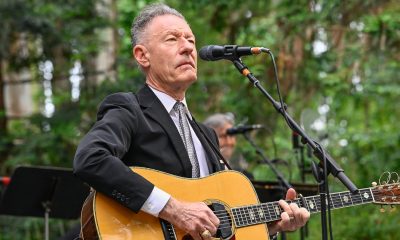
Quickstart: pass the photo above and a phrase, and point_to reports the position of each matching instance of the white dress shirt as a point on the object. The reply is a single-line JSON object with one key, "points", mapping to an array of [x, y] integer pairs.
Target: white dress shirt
{"points": [[158, 198]]}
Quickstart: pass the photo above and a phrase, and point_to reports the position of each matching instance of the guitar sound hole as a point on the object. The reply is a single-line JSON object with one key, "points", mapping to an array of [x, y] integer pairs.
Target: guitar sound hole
{"points": [[225, 226], [187, 237]]}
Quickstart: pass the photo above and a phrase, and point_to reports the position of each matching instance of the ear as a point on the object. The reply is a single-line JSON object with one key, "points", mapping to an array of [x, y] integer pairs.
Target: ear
{"points": [[141, 55]]}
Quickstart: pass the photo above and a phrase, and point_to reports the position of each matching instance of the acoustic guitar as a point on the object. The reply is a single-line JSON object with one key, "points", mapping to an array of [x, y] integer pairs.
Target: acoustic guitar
{"points": [[229, 194]]}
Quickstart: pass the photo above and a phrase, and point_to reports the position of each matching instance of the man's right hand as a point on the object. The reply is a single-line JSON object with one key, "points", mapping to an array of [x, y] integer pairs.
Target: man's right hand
{"points": [[193, 218]]}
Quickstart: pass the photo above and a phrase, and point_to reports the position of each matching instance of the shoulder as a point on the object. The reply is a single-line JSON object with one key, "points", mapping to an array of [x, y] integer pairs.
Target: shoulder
{"points": [[125, 101], [209, 131]]}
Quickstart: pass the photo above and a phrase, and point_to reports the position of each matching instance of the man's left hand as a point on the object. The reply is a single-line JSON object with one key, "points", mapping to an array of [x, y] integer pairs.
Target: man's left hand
{"points": [[292, 218]]}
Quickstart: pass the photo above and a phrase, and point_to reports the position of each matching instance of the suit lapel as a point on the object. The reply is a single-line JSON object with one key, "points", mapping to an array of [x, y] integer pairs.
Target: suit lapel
{"points": [[153, 108], [212, 159]]}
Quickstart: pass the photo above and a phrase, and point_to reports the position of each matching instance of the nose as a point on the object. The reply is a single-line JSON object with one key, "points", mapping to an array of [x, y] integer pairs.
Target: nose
{"points": [[187, 46], [231, 140]]}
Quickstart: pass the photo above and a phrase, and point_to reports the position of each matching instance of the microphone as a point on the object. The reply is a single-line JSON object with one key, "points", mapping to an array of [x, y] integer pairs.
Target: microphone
{"points": [[243, 129], [228, 52]]}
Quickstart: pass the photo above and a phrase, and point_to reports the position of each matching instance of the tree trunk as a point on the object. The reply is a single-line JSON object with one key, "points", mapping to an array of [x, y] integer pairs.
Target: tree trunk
{"points": [[3, 115], [107, 56]]}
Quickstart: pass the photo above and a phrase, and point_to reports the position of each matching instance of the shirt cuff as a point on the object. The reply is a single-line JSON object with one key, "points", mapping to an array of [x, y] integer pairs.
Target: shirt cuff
{"points": [[156, 202]]}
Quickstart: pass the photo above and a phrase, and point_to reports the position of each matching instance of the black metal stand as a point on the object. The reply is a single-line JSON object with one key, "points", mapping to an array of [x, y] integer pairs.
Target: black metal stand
{"points": [[278, 175], [47, 192], [300, 158], [265, 160], [330, 164]]}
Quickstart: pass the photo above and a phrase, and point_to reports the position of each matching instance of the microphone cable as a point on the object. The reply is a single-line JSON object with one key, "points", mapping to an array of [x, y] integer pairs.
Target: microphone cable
{"points": [[283, 109]]}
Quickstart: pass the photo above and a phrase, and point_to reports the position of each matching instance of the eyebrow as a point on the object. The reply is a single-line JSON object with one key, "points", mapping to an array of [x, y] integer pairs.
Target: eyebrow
{"points": [[179, 33]]}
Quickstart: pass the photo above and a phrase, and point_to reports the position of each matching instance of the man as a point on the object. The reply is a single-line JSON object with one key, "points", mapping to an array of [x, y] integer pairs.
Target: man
{"points": [[221, 122], [148, 129]]}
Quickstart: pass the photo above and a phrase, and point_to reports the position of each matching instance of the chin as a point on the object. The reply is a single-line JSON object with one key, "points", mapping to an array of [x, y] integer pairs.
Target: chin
{"points": [[189, 78]]}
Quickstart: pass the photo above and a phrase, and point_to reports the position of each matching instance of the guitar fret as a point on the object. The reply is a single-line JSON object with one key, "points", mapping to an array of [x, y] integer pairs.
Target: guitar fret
{"points": [[316, 203], [245, 215], [268, 212], [346, 197], [332, 202], [248, 215], [357, 198]]}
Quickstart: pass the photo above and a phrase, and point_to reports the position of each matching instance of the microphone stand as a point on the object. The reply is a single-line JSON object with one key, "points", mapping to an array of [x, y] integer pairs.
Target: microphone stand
{"points": [[264, 159], [278, 175], [299, 153], [326, 161]]}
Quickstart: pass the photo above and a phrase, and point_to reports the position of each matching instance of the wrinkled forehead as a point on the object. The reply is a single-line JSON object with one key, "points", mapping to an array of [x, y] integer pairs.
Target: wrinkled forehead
{"points": [[168, 24]]}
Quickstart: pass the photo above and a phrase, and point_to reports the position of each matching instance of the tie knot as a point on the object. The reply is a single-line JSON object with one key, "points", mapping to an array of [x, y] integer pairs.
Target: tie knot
{"points": [[179, 107]]}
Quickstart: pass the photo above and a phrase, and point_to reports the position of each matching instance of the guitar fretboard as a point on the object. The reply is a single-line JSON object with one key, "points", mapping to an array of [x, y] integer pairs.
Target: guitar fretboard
{"points": [[269, 212]]}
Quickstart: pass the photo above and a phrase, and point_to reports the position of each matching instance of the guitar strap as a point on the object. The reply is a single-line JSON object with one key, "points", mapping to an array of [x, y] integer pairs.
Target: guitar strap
{"points": [[222, 160]]}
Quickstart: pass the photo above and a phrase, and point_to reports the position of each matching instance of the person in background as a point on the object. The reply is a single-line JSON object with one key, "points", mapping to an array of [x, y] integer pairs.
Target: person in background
{"points": [[221, 122], [154, 128]]}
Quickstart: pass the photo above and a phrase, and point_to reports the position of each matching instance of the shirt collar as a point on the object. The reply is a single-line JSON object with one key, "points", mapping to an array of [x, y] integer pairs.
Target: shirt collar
{"points": [[168, 102]]}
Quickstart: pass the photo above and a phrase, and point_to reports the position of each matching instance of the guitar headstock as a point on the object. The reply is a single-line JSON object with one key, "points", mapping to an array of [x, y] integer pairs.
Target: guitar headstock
{"points": [[387, 192]]}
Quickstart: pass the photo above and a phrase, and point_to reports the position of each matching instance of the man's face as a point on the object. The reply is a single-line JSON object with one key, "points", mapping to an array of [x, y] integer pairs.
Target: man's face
{"points": [[171, 52], [227, 142]]}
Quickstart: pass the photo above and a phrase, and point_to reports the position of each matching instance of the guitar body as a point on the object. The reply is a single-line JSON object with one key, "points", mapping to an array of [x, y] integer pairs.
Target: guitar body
{"points": [[104, 218]]}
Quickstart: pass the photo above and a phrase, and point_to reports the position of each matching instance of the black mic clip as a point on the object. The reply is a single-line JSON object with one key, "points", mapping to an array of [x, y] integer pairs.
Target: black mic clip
{"points": [[228, 52], [233, 52]]}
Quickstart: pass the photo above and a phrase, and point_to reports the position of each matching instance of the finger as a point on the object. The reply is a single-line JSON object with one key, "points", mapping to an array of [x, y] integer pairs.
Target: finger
{"points": [[291, 194], [211, 227], [286, 208], [285, 218], [211, 221], [295, 209], [196, 235], [205, 235], [214, 219], [304, 215]]}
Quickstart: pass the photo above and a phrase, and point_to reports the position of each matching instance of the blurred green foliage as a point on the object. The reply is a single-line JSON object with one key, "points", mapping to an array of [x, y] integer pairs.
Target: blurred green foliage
{"points": [[338, 62]]}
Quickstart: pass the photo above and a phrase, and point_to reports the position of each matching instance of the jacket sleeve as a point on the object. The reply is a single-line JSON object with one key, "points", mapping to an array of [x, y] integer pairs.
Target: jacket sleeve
{"points": [[98, 157]]}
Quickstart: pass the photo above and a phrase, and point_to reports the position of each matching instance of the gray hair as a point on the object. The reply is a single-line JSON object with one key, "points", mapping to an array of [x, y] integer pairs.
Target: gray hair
{"points": [[219, 119], [146, 15]]}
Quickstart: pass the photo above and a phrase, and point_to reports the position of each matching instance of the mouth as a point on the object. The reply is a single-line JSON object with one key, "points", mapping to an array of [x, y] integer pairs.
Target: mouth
{"points": [[187, 63]]}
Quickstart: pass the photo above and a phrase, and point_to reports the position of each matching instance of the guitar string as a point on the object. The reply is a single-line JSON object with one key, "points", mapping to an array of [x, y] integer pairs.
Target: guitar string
{"points": [[227, 223], [275, 204], [357, 200]]}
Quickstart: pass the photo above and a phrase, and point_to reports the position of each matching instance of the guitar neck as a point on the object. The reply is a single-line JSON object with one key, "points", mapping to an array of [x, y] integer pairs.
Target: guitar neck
{"points": [[271, 211]]}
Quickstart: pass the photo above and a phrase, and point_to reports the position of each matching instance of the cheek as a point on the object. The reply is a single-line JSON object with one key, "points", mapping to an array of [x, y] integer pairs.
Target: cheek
{"points": [[222, 142]]}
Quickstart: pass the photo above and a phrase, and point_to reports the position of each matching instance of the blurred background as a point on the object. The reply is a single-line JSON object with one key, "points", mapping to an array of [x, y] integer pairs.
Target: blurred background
{"points": [[338, 63]]}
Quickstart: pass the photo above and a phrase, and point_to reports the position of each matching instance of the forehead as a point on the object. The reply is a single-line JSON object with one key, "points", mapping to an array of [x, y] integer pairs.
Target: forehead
{"points": [[222, 129], [168, 24]]}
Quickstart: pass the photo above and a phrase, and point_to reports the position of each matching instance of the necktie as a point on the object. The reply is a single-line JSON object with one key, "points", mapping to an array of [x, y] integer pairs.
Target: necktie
{"points": [[186, 136]]}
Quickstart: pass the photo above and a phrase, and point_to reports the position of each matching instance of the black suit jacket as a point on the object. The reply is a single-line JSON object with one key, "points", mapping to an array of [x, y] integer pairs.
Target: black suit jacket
{"points": [[135, 130]]}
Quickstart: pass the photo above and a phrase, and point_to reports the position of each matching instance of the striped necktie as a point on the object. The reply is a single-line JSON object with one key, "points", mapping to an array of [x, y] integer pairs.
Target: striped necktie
{"points": [[186, 136]]}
